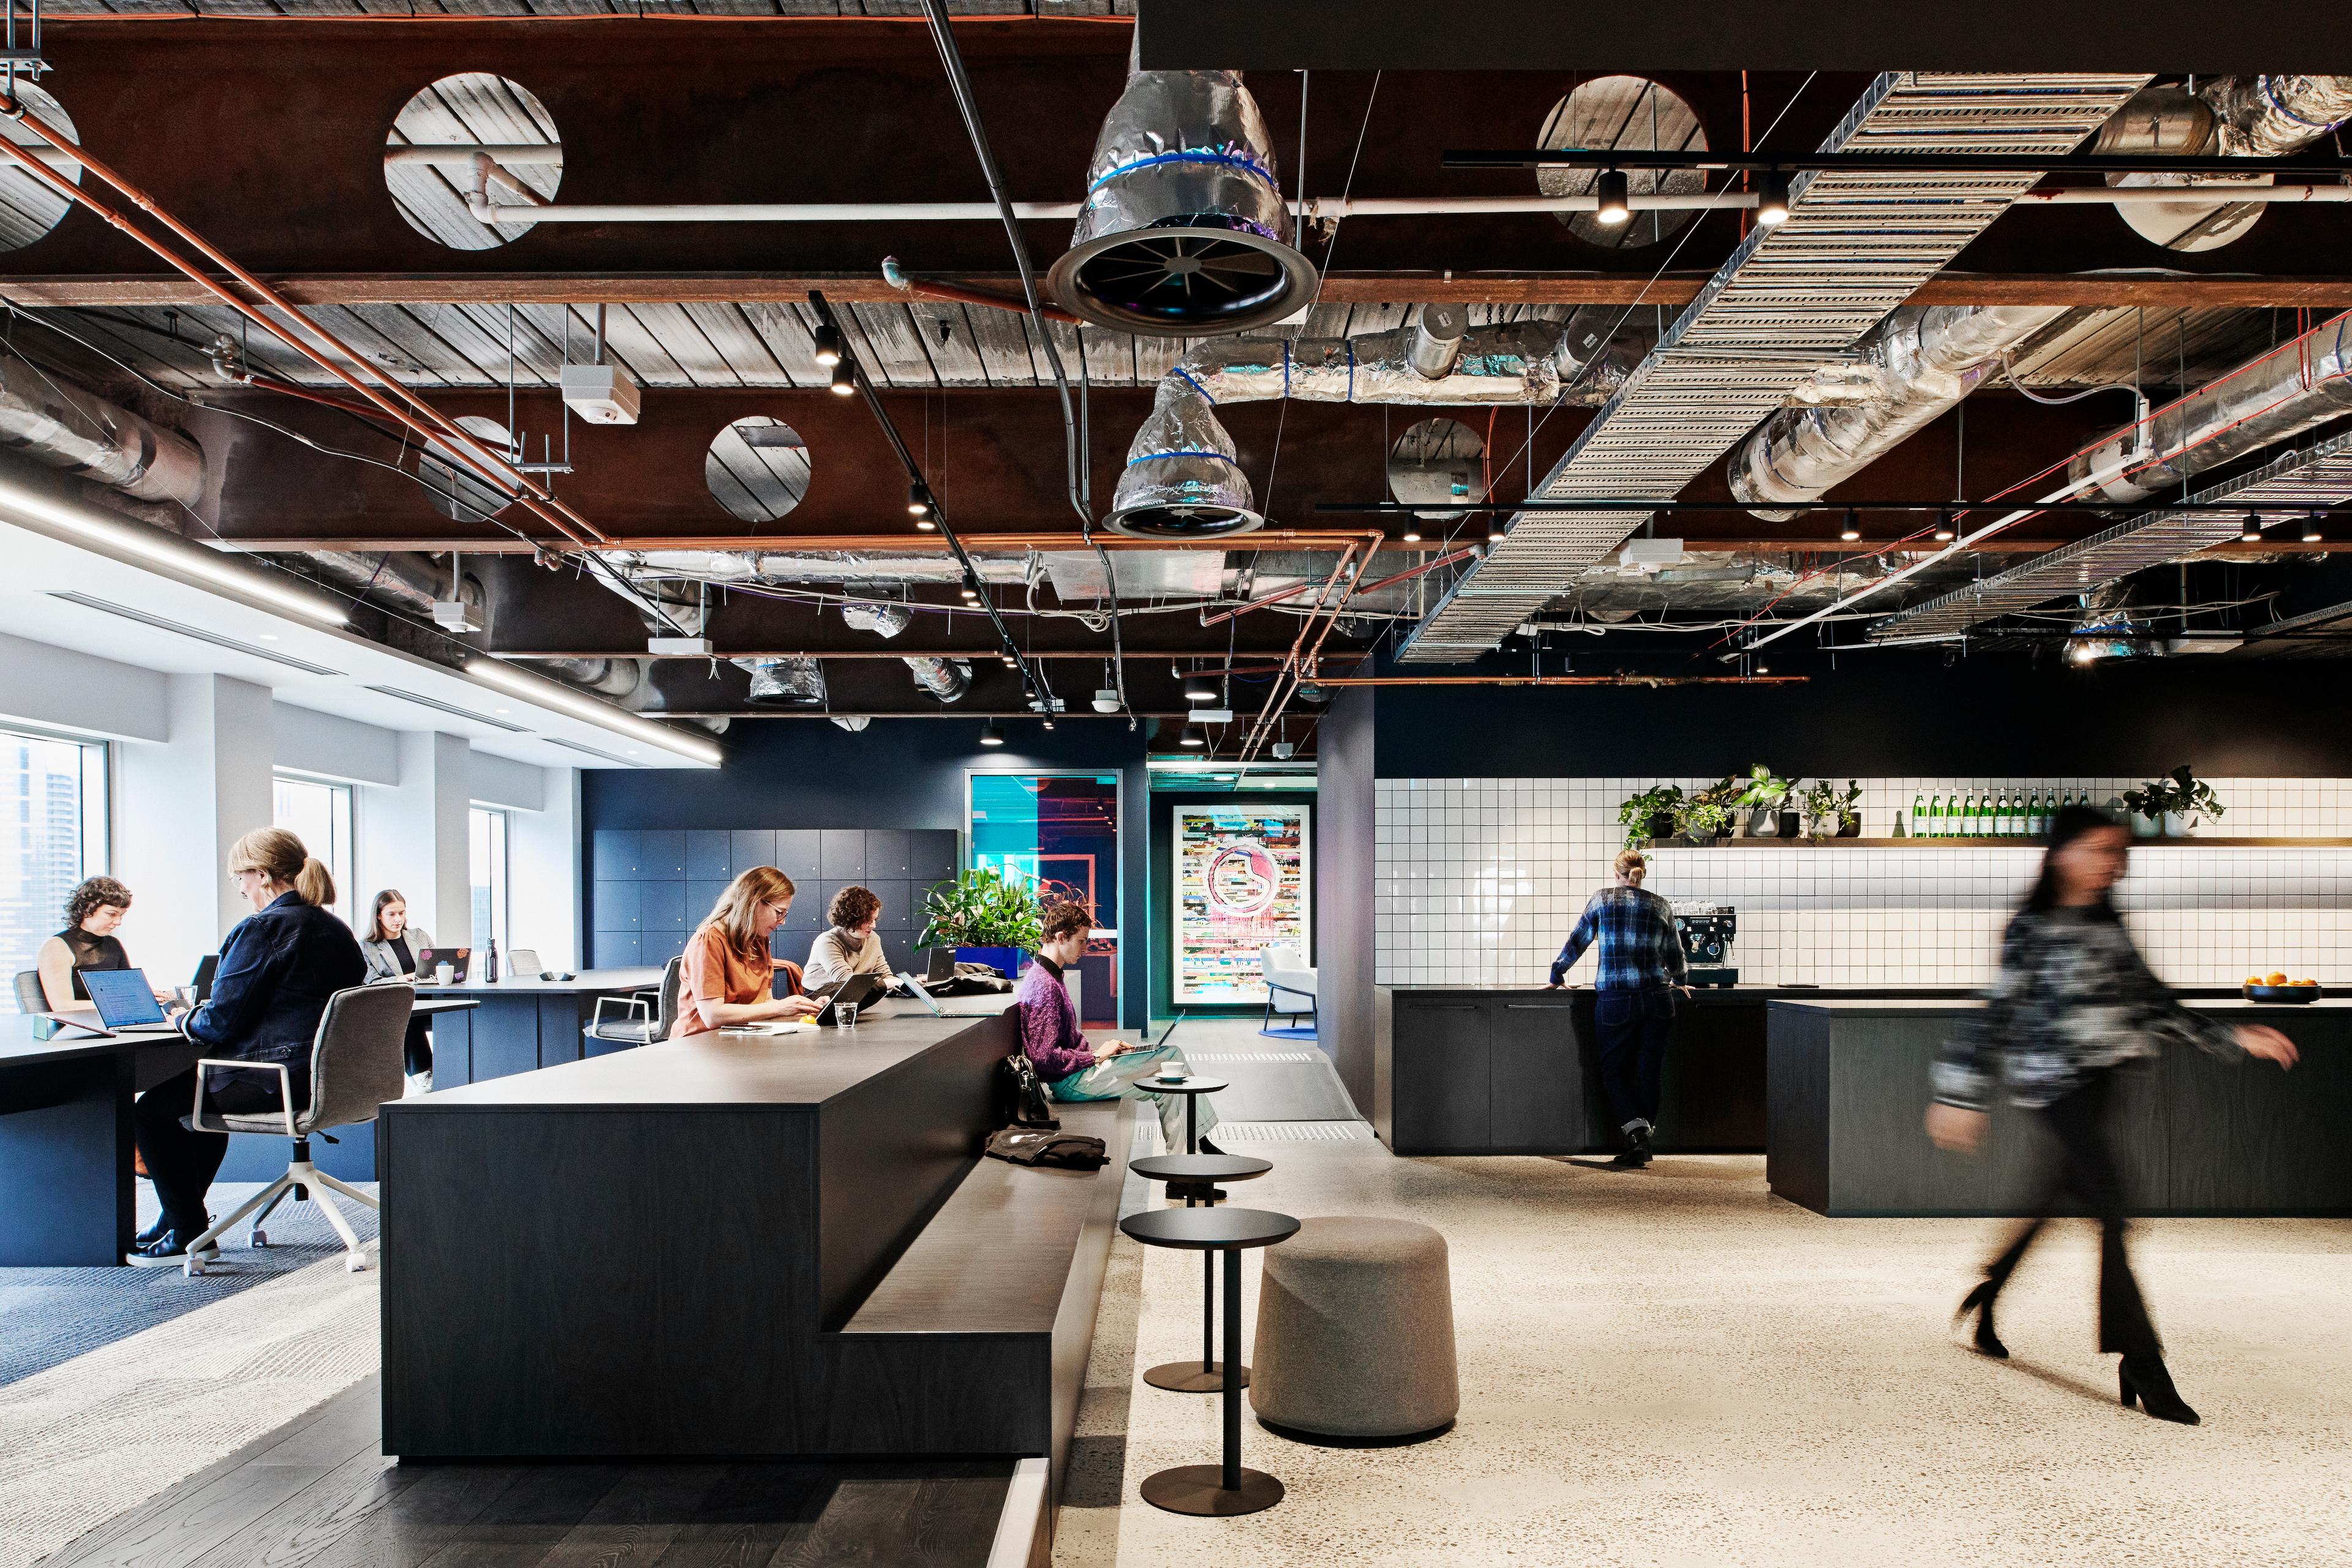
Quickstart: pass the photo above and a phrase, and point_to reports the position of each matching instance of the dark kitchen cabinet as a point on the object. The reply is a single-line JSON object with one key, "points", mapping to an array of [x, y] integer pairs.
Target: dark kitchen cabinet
{"points": [[1537, 1096], [1442, 1076]]}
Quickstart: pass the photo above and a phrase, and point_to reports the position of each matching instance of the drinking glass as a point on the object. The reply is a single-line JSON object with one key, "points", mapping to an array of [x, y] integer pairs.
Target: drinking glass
{"points": [[845, 1014]]}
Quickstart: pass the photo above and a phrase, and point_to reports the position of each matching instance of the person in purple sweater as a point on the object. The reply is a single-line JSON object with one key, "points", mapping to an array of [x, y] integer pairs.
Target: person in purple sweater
{"points": [[1052, 1039]]}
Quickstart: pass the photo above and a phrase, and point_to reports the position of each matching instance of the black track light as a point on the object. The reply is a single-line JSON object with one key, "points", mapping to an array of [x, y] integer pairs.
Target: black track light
{"points": [[845, 380], [1049, 721], [1616, 198], [1193, 737], [2252, 532], [1771, 198], [919, 501], [1410, 536], [828, 347], [1943, 528], [2310, 534], [1199, 689], [1852, 529], [990, 735]]}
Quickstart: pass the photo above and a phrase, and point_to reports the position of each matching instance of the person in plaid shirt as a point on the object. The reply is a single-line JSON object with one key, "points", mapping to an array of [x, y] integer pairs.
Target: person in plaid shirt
{"points": [[1641, 965]]}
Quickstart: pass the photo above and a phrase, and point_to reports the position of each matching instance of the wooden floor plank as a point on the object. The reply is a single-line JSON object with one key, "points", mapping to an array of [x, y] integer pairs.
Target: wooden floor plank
{"points": [[637, 1521]]}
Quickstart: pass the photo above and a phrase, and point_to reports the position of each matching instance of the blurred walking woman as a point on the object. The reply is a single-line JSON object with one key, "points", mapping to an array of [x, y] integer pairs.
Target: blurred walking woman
{"points": [[278, 968], [2074, 1007], [728, 975], [1640, 965]]}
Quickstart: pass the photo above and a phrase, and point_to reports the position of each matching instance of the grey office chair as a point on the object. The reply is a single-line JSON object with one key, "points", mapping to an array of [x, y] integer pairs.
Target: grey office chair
{"points": [[646, 1018], [355, 1066], [30, 998], [523, 964]]}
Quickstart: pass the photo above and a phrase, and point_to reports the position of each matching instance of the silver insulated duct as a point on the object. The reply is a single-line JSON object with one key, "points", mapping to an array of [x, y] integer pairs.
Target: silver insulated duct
{"points": [[2236, 116], [1184, 479], [794, 682], [59, 423], [1184, 231], [943, 678], [1925, 360], [2285, 393]]}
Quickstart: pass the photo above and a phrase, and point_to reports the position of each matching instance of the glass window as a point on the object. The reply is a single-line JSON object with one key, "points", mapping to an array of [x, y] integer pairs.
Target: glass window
{"points": [[1060, 830], [320, 815], [487, 855], [52, 834]]}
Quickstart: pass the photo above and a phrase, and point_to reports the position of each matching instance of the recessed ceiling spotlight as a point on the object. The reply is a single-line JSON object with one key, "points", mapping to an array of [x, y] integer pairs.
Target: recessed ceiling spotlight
{"points": [[828, 347], [1616, 200], [1772, 197]]}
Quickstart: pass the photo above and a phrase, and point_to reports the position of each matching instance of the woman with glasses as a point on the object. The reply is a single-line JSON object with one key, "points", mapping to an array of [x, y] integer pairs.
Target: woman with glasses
{"points": [[728, 975]]}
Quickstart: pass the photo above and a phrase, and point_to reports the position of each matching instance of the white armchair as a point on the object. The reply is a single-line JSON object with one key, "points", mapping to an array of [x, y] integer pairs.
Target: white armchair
{"points": [[1287, 973]]}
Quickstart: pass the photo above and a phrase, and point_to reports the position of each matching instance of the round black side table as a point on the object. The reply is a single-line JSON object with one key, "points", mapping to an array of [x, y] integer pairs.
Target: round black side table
{"points": [[1222, 1490], [1198, 1173], [1191, 1089]]}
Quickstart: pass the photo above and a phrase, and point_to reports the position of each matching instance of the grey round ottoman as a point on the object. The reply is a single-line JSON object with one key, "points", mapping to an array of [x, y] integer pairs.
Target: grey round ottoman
{"points": [[1355, 1333]]}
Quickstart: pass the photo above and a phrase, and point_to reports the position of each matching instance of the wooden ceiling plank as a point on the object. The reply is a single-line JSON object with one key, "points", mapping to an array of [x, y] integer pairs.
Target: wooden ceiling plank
{"points": [[1001, 340], [635, 346], [894, 344], [784, 328], [732, 337], [946, 335]]}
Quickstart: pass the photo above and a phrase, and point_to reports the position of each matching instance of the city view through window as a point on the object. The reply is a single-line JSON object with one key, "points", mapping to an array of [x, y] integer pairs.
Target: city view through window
{"points": [[53, 802]]}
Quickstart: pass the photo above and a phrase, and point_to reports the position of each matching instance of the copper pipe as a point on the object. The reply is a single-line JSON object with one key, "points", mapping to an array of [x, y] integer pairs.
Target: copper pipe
{"points": [[1286, 682], [1562, 679], [956, 294], [496, 470], [977, 655], [1313, 654], [1293, 593]]}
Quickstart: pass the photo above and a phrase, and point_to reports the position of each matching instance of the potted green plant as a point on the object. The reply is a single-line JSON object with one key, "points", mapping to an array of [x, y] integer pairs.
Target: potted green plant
{"points": [[1824, 810], [1706, 813], [2174, 803], [986, 915], [1650, 815], [1763, 794], [1849, 810]]}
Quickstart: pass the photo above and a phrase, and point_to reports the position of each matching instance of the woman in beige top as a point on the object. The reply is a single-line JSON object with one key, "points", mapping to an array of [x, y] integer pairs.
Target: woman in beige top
{"points": [[850, 947], [726, 975]]}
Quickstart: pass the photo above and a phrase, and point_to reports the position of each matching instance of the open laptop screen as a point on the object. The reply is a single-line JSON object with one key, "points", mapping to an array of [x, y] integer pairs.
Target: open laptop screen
{"points": [[123, 996]]}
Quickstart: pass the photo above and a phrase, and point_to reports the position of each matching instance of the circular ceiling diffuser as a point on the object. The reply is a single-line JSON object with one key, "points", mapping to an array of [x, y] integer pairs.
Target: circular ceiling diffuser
{"points": [[1157, 519], [1188, 277]]}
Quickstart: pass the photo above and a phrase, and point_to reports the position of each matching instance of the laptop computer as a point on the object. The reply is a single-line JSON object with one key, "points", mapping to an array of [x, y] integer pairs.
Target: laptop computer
{"points": [[859, 991], [429, 959], [940, 966], [125, 1002]]}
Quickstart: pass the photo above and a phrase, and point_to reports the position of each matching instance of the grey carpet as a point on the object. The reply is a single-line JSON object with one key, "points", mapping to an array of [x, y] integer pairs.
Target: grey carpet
{"points": [[55, 1314]]}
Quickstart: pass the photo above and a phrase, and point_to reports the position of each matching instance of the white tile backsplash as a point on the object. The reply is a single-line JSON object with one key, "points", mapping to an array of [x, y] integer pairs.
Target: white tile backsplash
{"points": [[1477, 881]]}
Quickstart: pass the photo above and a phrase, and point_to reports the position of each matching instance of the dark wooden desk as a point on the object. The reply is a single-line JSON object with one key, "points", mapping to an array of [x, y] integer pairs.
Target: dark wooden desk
{"points": [[738, 1245], [66, 1193]]}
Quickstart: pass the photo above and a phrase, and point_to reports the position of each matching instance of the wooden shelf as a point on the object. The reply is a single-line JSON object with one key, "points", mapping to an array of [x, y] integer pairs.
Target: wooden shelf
{"points": [[2196, 843]]}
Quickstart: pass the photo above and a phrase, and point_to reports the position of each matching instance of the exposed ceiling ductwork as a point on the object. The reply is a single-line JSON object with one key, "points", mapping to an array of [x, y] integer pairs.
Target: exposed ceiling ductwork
{"points": [[68, 427], [1793, 295], [2237, 116], [947, 679], [1184, 230], [794, 682]]}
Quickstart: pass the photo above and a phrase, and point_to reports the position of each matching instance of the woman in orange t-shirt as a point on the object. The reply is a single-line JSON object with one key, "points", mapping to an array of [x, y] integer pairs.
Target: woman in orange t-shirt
{"points": [[726, 975]]}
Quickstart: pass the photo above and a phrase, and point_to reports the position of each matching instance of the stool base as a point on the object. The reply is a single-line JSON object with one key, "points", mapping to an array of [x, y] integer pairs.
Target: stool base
{"points": [[1198, 1489], [1337, 1440], [1191, 1377]]}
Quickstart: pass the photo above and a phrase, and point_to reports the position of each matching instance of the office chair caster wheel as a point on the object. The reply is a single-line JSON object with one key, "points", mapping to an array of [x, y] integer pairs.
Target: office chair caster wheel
{"points": [[259, 1239], [191, 1268], [354, 1264]]}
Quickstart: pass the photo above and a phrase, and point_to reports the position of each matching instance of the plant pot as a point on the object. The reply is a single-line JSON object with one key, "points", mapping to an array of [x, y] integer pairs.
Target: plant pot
{"points": [[1763, 823], [1660, 825], [1700, 840], [1008, 961], [2144, 826], [1849, 827], [2178, 823], [1789, 823]]}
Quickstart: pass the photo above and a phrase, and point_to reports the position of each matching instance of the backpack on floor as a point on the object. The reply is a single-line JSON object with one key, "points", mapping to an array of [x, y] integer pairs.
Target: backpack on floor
{"points": [[1067, 1151]]}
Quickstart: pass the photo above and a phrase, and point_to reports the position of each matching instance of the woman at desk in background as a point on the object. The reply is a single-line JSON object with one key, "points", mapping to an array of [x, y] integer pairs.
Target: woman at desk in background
{"points": [[849, 946], [278, 968], [728, 975], [390, 948], [93, 912], [1053, 1040]]}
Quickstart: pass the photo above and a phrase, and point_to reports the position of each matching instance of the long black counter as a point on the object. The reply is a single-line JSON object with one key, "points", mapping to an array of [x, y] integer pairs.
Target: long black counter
{"points": [[738, 1245], [1516, 1072], [1849, 1089]]}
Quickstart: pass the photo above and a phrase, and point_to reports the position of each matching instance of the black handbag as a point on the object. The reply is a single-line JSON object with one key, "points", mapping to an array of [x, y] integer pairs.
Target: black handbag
{"points": [[1020, 1095]]}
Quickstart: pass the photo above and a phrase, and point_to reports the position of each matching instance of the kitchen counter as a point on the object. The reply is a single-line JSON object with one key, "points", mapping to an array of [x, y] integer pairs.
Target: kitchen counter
{"points": [[1848, 1089]]}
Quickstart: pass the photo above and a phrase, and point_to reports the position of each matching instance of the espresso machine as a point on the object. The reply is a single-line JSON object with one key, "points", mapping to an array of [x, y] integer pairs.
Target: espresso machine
{"points": [[1708, 931]]}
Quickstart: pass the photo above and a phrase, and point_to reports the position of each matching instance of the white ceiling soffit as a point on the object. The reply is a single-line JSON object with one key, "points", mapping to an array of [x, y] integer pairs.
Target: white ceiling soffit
{"points": [[1854, 247], [67, 595], [2286, 487]]}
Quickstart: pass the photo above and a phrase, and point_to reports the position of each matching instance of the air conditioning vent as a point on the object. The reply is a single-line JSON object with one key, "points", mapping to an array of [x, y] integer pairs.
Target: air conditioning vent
{"points": [[590, 751], [450, 707], [182, 629]]}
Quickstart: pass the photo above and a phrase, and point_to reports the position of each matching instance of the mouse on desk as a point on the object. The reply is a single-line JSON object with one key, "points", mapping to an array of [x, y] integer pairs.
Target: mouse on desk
{"points": [[556, 975]]}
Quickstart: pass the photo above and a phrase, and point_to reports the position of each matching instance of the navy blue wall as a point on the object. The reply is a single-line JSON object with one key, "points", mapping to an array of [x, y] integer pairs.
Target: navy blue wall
{"points": [[907, 773]]}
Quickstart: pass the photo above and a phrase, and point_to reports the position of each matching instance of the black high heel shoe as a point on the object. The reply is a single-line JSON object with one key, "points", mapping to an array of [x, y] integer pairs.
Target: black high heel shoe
{"points": [[1979, 1301], [2146, 1379]]}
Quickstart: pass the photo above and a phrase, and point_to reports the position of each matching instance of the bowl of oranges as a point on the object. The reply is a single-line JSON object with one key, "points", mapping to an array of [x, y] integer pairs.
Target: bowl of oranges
{"points": [[2276, 987]]}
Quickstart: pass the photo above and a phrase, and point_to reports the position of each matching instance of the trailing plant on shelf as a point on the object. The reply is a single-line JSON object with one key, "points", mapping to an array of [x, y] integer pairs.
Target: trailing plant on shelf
{"points": [[1706, 813], [2173, 800], [1827, 808], [1763, 794], [1651, 813], [982, 908]]}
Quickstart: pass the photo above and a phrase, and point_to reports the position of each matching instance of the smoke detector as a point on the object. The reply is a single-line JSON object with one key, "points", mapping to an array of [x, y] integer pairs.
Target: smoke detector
{"points": [[601, 393], [1106, 700], [1285, 750], [678, 647], [457, 615]]}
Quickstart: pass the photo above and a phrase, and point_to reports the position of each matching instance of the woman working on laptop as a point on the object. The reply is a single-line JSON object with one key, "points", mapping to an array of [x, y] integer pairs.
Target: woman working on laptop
{"points": [[278, 968], [94, 910], [728, 975], [391, 947]]}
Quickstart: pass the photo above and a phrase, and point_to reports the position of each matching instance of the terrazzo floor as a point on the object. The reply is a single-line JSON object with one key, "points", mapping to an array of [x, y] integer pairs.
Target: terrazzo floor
{"points": [[1672, 1369]]}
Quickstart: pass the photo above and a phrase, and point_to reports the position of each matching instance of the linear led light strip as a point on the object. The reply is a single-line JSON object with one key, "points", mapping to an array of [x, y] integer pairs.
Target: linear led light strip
{"points": [[43, 515], [605, 715]]}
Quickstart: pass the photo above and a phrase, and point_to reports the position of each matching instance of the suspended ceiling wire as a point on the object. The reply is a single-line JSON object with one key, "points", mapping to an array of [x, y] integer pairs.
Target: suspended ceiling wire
{"points": [[1074, 456]]}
